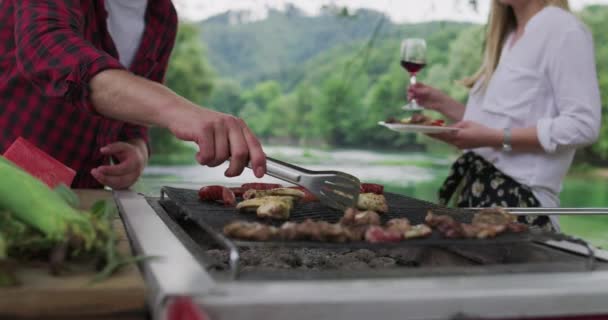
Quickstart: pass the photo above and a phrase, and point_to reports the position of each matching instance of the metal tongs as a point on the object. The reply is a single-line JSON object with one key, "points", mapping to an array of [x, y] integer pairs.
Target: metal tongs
{"points": [[335, 189], [555, 211]]}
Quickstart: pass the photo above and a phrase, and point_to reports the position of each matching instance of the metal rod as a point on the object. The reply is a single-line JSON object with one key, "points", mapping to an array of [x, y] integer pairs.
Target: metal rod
{"points": [[553, 211]]}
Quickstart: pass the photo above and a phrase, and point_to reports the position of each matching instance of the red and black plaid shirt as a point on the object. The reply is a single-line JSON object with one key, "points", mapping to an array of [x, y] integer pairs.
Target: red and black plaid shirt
{"points": [[49, 51]]}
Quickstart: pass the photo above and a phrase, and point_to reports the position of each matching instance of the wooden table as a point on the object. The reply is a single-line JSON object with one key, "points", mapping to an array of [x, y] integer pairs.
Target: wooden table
{"points": [[72, 296]]}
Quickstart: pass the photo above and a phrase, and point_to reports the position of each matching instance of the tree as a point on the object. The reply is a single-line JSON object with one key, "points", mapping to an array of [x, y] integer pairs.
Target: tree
{"points": [[226, 97], [596, 17]]}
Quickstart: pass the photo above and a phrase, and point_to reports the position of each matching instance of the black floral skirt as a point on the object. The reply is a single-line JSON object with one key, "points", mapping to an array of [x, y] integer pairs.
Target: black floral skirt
{"points": [[477, 183]]}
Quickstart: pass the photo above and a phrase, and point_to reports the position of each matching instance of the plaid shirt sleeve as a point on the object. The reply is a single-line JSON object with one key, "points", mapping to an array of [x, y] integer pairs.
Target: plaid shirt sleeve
{"points": [[130, 131], [51, 51]]}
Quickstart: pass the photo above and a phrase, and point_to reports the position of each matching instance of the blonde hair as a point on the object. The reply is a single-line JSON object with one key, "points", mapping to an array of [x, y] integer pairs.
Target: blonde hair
{"points": [[500, 23]]}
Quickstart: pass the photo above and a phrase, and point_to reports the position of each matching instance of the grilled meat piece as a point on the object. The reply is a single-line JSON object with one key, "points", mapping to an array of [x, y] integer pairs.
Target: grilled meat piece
{"points": [[401, 225], [434, 220], [376, 234], [274, 210], [314, 230], [308, 196], [372, 202], [278, 192], [260, 186], [446, 225], [268, 207], [217, 193], [482, 230], [371, 188], [494, 216], [356, 232], [353, 216], [418, 231], [250, 231], [517, 227], [451, 228]]}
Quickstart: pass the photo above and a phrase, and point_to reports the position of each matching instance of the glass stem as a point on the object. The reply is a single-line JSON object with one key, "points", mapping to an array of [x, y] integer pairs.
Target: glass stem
{"points": [[413, 82]]}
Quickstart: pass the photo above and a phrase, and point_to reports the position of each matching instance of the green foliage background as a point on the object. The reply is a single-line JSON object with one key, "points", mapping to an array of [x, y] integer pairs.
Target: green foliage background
{"points": [[326, 80]]}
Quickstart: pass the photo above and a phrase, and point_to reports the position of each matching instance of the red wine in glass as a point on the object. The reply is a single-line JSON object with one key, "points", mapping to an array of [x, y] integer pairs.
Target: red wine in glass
{"points": [[413, 59], [412, 67]]}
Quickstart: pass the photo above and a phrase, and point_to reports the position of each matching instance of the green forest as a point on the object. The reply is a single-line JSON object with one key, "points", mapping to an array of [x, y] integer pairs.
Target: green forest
{"points": [[327, 80]]}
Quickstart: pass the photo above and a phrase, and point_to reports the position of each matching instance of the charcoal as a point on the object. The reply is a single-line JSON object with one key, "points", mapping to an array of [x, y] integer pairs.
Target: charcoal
{"points": [[382, 262], [355, 266], [364, 255]]}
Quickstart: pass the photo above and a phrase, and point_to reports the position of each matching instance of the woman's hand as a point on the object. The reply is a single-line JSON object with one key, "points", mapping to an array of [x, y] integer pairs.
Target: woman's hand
{"points": [[427, 96], [471, 135], [435, 99], [220, 137], [132, 158]]}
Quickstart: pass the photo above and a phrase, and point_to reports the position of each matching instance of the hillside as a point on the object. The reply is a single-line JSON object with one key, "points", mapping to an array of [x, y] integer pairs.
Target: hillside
{"points": [[282, 46]]}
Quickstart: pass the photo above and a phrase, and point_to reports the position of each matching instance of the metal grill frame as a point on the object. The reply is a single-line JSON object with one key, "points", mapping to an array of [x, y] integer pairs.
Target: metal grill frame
{"points": [[415, 212]]}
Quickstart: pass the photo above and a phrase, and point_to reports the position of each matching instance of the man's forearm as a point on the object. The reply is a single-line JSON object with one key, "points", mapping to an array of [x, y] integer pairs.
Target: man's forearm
{"points": [[123, 96]]}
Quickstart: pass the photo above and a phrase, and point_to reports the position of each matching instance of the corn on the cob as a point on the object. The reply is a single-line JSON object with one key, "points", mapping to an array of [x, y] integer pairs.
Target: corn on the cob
{"points": [[34, 203]]}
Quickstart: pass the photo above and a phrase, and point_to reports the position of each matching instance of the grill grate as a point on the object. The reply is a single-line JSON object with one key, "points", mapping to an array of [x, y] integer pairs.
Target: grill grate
{"points": [[214, 216]]}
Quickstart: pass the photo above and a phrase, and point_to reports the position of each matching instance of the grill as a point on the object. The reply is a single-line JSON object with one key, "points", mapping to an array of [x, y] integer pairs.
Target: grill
{"points": [[187, 217]]}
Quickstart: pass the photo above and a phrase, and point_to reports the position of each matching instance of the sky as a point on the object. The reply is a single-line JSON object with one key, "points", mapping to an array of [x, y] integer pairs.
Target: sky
{"points": [[400, 11]]}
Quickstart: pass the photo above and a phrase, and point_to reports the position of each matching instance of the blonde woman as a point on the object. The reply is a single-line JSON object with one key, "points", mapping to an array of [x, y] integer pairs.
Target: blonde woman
{"points": [[533, 102]]}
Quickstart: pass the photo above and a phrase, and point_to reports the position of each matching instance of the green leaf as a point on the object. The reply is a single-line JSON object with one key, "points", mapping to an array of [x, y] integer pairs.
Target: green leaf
{"points": [[68, 195], [104, 209]]}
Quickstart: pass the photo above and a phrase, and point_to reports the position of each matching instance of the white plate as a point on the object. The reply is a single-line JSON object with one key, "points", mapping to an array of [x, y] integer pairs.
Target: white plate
{"points": [[399, 127]]}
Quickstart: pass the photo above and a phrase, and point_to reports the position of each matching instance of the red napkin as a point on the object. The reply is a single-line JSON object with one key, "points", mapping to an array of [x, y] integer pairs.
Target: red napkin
{"points": [[39, 164]]}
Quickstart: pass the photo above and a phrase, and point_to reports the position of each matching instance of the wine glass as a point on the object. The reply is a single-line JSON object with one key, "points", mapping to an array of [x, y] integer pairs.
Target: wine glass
{"points": [[413, 59]]}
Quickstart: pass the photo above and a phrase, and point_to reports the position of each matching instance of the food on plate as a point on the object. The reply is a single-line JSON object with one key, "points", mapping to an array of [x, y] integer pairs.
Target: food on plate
{"points": [[274, 207], [353, 216], [279, 192], [372, 202], [417, 119], [371, 188], [250, 231], [219, 194]]}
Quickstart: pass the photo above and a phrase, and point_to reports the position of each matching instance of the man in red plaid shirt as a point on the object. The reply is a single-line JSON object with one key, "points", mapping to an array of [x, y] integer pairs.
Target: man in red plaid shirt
{"points": [[81, 79]]}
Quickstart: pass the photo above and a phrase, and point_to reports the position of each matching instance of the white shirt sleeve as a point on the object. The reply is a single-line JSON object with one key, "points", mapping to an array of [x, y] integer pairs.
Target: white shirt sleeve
{"points": [[573, 77]]}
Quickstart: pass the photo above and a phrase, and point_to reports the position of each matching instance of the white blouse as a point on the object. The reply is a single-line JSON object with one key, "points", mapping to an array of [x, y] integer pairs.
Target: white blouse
{"points": [[546, 80]]}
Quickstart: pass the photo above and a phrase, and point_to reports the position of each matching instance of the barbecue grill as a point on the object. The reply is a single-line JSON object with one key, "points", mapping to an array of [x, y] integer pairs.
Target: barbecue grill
{"points": [[432, 278]]}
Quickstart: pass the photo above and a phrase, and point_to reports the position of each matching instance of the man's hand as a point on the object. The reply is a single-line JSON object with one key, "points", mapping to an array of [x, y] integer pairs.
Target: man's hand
{"points": [[120, 95], [132, 158], [220, 137], [471, 135]]}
